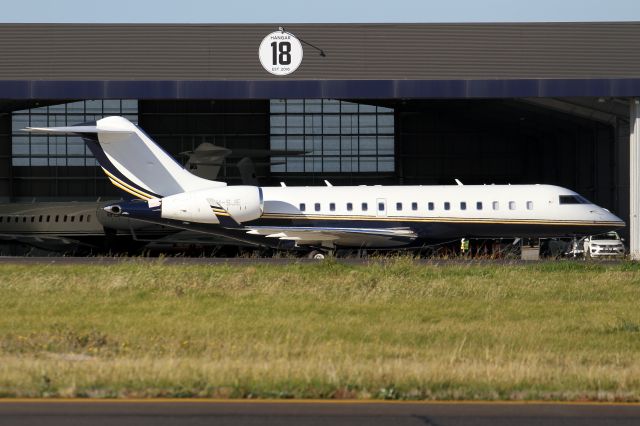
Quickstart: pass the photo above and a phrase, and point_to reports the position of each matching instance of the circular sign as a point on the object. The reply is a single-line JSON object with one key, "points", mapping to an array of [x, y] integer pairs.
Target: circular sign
{"points": [[280, 53]]}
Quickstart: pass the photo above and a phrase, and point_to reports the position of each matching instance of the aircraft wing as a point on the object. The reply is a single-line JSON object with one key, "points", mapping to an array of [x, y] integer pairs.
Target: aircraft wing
{"points": [[341, 236]]}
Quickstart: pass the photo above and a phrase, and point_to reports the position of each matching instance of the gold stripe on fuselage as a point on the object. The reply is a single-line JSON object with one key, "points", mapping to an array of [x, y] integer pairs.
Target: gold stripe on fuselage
{"points": [[437, 219]]}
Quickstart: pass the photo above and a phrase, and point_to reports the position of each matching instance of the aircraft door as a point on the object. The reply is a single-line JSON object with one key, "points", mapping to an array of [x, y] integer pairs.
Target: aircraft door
{"points": [[381, 207]]}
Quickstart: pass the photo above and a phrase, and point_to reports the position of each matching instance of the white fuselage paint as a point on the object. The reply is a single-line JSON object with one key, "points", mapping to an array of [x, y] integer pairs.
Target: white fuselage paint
{"points": [[500, 204]]}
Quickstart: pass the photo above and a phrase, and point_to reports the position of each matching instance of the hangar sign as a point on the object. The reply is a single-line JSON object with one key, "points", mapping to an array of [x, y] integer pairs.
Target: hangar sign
{"points": [[280, 53]]}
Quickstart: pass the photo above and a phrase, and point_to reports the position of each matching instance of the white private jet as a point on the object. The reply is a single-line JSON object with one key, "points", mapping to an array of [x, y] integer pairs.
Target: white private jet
{"points": [[327, 216]]}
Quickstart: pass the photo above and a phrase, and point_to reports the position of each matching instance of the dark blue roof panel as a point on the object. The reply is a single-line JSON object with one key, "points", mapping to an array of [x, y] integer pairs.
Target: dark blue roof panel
{"points": [[336, 89]]}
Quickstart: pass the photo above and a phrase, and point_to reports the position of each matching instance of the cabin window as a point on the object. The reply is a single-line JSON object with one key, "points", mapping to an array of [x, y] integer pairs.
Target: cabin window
{"points": [[479, 205], [332, 207], [414, 206], [33, 219], [88, 218], [463, 205], [496, 205], [349, 207], [316, 207], [431, 206], [381, 207], [40, 218], [73, 218], [48, 218], [512, 205], [364, 207], [399, 207], [17, 219], [303, 207], [529, 205], [81, 218], [1, 219], [24, 219], [57, 218], [447, 205]]}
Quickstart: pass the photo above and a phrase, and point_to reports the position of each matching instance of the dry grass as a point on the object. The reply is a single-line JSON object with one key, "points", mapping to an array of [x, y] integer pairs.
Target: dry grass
{"points": [[387, 330]]}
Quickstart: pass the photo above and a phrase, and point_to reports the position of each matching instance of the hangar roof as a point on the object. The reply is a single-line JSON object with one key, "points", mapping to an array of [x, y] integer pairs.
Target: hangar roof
{"points": [[390, 60]]}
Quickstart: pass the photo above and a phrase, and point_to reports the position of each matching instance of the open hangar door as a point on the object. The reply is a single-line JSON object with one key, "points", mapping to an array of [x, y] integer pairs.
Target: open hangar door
{"points": [[577, 143]]}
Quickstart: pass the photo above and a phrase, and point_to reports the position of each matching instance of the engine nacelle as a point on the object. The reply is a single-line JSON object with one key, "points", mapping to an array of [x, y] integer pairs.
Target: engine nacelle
{"points": [[243, 203]]}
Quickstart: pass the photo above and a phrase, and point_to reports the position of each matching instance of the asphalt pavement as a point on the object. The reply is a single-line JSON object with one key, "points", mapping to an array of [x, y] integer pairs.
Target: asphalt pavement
{"points": [[316, 413], [97, 260]]}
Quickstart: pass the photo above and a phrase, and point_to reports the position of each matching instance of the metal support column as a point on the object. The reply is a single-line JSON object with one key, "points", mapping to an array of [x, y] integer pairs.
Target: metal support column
{"points": [[634, 180]]}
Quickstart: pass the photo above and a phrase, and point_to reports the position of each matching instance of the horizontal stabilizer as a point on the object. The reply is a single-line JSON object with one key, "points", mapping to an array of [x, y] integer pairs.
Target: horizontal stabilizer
{"points": [[73, 129]]}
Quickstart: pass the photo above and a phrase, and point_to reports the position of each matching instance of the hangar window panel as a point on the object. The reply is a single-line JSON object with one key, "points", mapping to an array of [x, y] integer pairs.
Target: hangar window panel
{"points": [[331, 164], [385, 124], [368, 145], [93, 106], [278, 164], [295, 143], [338, 136], [19, 122], [39, 150], [349, 164], [311, 105], [368, 164], [295, 164], [76, 107], [278, 142], [57, 120], [330, 105], [385, 164], [278, 105], [38, 120], [368, 124], [331, 145], [295, 125], [331, 124], [385, 145], [278, 125], [60, 108], [348, 124], [349, 145], [313, 124], [295, 105], [129, 106], [111, 106]]}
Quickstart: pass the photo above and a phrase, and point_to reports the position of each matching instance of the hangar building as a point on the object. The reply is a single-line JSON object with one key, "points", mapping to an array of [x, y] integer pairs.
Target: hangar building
{"points": [[369, 104]]}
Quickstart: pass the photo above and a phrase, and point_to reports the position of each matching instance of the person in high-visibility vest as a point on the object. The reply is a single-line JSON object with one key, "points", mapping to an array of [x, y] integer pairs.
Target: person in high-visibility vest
{"points": [[464, 246]]}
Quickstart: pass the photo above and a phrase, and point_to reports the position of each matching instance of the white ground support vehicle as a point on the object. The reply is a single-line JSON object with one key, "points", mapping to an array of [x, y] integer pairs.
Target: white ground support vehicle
{"points": [[603, 245]]}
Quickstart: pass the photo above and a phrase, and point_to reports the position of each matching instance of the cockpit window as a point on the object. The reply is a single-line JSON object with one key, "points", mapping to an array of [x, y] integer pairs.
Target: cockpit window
{"points": [[573, 199]]}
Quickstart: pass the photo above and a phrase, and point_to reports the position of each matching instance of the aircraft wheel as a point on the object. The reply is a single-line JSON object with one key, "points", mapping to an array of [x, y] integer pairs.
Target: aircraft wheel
{"points": [[316, 254]]}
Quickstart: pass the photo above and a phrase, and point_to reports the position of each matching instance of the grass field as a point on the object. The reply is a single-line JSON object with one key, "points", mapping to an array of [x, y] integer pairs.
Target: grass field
{"points": [[390, 330]]}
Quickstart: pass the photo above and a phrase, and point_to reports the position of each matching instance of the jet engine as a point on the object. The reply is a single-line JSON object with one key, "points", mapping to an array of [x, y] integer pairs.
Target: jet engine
{"points": [[241, 203]]}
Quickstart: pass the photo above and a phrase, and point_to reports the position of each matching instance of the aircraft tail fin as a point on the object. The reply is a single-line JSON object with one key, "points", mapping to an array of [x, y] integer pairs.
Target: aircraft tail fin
{"points": [[131, 160]]}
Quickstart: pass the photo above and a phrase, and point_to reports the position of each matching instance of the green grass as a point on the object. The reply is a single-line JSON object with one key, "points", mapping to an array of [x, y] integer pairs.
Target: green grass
{"points": [[389, 330]]}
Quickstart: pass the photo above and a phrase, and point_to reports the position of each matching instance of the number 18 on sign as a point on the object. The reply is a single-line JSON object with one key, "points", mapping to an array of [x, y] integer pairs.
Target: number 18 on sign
{"points": [[280, 53]]}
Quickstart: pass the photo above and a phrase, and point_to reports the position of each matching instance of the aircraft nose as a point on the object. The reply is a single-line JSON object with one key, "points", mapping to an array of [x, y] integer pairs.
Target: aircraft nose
{"points": [[604, 215]]}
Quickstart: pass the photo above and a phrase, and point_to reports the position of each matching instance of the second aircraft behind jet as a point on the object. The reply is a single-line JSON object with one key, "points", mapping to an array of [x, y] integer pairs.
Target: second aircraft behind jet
{"points": [[328, 216]]}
